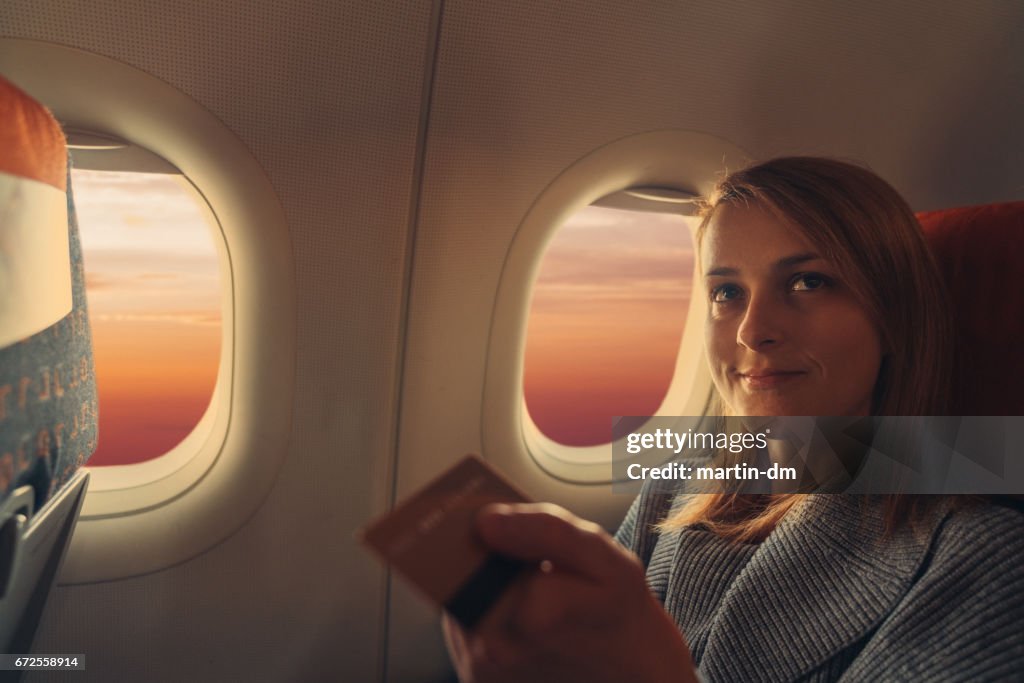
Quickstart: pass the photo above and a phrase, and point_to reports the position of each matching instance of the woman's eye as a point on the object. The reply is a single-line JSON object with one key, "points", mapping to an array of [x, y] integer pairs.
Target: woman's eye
{"points": [[725, 293], [807, 282]]}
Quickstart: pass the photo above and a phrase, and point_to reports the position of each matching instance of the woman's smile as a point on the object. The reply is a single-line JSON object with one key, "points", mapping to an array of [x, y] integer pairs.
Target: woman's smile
{"points": [[770, 379]]}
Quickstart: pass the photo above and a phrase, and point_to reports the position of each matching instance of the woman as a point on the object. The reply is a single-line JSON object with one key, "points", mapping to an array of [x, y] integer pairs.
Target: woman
{"points": [[822, 300]]}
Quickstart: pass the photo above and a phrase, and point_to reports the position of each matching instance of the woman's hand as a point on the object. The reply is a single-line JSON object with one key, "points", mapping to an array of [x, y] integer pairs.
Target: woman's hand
{"points": [[584, 614]]}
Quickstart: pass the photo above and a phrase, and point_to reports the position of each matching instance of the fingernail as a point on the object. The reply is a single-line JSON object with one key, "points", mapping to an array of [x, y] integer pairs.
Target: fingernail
{"points": [[494, 519]]}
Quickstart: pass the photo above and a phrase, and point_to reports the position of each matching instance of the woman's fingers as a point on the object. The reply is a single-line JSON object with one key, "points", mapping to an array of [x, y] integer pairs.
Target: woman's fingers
{"points": [[582, 613], [542, 532], [454, 638]]}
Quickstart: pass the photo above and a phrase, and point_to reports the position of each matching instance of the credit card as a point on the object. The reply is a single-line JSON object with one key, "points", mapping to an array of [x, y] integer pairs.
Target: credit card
{"points": [[430, 539]]}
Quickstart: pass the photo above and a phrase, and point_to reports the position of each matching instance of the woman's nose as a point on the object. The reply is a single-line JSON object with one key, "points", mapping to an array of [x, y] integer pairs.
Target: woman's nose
{"points": [[762, 324]]}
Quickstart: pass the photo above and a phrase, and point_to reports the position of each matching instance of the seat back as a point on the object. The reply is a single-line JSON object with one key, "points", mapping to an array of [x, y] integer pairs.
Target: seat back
{"points": [[980, 251], [48, 404]]}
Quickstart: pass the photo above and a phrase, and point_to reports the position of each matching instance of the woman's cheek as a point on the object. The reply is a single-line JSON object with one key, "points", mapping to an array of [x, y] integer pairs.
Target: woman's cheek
{"points": [[847, 347], [717, 353]]}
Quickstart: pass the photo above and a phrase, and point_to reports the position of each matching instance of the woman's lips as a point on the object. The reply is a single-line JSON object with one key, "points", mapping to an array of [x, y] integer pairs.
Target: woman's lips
{"points": [[770, 379]]}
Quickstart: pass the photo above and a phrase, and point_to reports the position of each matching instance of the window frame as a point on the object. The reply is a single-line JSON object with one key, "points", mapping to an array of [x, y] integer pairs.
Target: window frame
{"points": [[135, 521], [686, 161]]}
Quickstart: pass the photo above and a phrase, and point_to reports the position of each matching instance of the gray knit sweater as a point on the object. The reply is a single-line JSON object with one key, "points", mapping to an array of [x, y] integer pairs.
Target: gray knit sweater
{"points": [[827, 597]]}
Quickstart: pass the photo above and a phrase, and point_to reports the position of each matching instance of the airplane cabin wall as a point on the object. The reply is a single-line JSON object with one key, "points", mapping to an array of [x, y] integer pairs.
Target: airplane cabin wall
{"points": [[406, 142], [327, 97]]}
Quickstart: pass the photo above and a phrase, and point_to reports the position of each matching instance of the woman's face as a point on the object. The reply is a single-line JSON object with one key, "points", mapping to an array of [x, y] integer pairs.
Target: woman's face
{"points": [[784, 335]]}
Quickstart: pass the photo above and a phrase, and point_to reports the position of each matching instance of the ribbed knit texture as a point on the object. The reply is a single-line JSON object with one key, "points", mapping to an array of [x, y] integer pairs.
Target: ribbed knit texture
{"points": [[828, 597]]}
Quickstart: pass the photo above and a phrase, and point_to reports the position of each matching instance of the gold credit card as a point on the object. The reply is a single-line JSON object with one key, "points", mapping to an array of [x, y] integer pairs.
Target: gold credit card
{"points": [[430, 539]]}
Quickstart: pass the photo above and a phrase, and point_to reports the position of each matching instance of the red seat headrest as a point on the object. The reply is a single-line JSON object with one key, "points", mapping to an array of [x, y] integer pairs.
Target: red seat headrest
{"points": [[31, 139], [980, 251]]}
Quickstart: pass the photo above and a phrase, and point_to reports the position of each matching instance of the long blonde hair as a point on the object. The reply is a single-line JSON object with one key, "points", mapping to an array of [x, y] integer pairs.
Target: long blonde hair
{"points": [[864, 227]]}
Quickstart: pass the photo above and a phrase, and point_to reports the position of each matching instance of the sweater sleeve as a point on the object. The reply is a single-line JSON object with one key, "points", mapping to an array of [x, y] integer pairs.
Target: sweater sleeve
{"points": [[961, 620]]}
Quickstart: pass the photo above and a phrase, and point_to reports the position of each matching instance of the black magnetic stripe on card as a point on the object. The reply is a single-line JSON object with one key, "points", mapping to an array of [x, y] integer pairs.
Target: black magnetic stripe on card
{"points": [[483, 588]]}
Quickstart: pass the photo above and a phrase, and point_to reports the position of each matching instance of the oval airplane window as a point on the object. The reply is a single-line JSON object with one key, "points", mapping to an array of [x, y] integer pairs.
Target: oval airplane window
{"points": [[120, 118], [607, 315], [663, 172], [153, 280]]}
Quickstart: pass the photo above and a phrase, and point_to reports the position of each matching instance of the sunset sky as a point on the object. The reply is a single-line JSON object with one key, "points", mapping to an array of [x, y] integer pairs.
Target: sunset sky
{"points": [[606, 321], [154, 303]]}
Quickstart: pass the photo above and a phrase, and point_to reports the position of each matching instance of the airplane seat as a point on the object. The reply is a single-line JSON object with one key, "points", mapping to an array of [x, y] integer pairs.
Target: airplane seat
{"points": [[48, 401], [979, 249]]}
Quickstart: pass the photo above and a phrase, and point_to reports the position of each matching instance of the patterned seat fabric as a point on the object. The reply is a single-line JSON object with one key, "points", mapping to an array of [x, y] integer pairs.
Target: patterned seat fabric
{"points": [[48, 405]]}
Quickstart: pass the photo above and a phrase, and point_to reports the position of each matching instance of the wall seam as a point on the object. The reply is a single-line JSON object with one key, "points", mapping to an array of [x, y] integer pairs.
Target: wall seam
{"points": [[430, 67]]}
